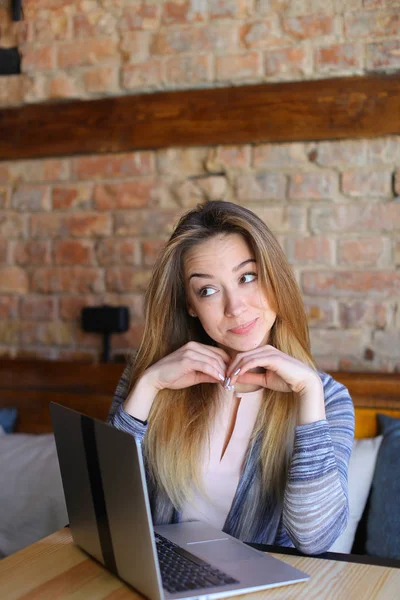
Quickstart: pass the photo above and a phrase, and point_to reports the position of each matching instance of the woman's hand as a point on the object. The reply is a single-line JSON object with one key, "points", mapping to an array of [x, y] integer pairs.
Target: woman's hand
{"points": [[192, 364], [281, 373]]}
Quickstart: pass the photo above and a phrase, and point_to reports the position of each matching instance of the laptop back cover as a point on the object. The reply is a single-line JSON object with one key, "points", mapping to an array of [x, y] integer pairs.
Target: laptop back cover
{"points": [[106, 497]]}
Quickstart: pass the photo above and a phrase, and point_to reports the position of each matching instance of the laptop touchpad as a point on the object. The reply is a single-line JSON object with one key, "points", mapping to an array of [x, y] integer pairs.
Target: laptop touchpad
{"points": [[222, 550]]}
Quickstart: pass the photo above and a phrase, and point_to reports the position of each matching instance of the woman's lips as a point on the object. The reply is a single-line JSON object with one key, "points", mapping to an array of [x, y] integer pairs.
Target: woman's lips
{"points": [[243, 329]]}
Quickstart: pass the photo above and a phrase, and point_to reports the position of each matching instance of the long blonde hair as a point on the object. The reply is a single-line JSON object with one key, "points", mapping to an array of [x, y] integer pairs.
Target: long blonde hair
{"points": [[179, 419]]}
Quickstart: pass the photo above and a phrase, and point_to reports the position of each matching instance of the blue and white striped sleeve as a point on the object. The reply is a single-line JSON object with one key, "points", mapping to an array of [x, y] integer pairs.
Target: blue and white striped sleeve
{"points": [[315, 509], [118, 417]]}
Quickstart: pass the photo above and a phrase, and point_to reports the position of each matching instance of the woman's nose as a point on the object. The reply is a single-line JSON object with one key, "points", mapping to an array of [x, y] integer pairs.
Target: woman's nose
{"points": [[234, 306]]}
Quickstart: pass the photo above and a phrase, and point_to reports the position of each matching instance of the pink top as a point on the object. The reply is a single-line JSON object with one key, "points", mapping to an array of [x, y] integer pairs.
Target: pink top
{"points": [[221, 470]]}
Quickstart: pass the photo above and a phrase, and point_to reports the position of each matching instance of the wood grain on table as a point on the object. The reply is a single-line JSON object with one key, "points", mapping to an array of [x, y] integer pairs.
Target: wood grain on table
{"points": [[54, 568]]}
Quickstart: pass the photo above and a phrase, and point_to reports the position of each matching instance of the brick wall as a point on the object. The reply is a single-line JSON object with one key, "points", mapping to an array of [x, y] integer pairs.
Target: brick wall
{"points": [[92, 48], [84, 230]]}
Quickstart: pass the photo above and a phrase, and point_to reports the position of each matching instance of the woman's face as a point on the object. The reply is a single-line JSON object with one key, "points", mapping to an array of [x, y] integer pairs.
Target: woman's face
{"points": [[223, 291]]}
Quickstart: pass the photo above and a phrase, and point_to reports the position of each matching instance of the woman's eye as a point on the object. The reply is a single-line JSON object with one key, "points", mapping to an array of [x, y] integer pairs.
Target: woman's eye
{"points": [[204, 292], [248, 277]]}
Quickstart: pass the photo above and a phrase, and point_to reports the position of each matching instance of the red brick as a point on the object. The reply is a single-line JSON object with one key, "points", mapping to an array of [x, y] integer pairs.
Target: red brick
{"points": [[309, 26], [188, 194], [347, 153], [357, 314], [238, 66], [144, 223], [262, 34], [383, 55], [31, 198], [3, 251], [261, 186], [13, 280], [320, 312], [113, 166], [8, 307], [12, 90], [37, 58], [214, 187], [140, 16], [71, 306], [351, 283], [127, 279], [101, 80], [188, 69], [279, 156], [366, 184], [97, 23], [80, 280], [12, 225], [182, 161], [229, 157], [5, 195], [51, 25], [344, 343], [212, 38], [75, 196], [384, 151], [288, 61], [55, 333], [62, 85], [88, 225], [282, 219], [183, 12], [31, 252], [315, 250], [38, 308], [84, 53], [387, 343], [135, 46], [118, 252], [397, 252], [40, 170], [230, 9], [360, 218], [338, 56], [151, 250], [142, 75], [141, 193], [9, 332], [76, 225], [315, 185], [372, 252], [372, 24], [74, 252]]}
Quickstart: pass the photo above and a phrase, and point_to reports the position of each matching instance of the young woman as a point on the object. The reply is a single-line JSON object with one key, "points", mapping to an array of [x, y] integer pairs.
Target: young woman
{"points": [[238, 427]]}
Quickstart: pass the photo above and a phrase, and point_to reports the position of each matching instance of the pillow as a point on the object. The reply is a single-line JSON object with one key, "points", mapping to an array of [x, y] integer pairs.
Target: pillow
{"points": [[361, 470], [8, 416], [383, 524], [2, 432], [32, 503]]}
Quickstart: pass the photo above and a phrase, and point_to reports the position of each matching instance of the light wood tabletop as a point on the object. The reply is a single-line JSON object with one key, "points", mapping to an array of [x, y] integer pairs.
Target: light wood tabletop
{"points": [[54, 568]]}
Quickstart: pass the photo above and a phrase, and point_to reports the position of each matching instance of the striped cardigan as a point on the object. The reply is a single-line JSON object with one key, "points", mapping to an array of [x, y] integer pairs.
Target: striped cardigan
{"points": [[315, 506]]}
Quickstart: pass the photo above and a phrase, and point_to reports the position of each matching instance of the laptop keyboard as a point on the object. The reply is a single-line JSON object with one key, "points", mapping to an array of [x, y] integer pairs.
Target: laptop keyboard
{"points": [[182, 571]]}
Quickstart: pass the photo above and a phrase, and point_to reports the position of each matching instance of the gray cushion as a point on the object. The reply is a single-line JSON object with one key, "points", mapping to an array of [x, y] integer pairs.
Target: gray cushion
{"points": [[383, 524]]}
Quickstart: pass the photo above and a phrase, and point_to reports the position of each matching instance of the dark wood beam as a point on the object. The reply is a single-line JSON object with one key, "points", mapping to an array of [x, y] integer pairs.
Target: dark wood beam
{"points": [[346, 107]]}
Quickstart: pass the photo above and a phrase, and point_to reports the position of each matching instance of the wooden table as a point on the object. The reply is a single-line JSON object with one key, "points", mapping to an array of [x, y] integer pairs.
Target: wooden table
{"points": [[55, 568]]}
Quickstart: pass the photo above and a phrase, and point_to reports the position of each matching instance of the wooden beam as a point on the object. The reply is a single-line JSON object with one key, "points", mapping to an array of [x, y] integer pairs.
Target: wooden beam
{"points": [[347, 107]]}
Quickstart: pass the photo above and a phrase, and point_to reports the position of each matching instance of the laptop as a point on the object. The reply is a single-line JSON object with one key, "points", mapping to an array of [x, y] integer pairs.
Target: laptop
{"points": [[105, 490]]}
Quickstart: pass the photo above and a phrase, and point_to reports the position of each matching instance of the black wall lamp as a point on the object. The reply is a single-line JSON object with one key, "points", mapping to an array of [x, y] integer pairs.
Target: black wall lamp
{"points": [[16, 10]]}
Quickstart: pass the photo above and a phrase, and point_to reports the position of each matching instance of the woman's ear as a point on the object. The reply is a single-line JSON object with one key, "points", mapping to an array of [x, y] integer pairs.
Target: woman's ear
{"points": [[191, 311]]}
